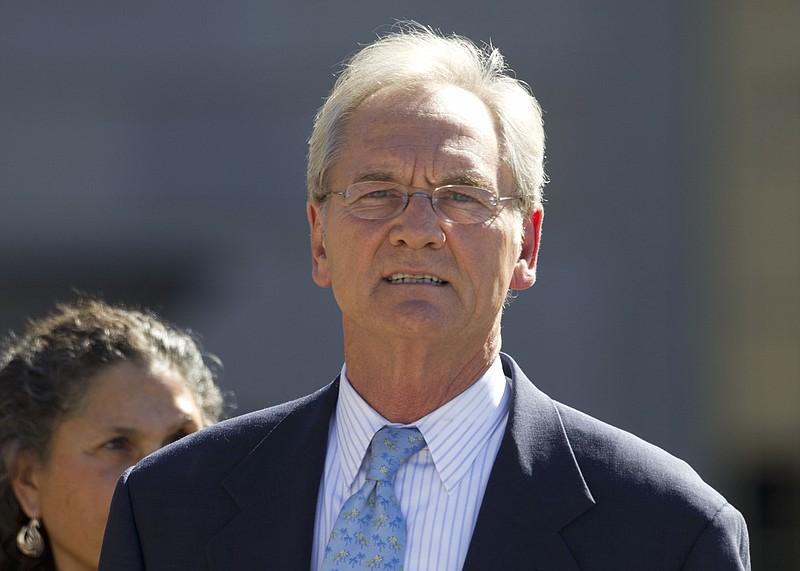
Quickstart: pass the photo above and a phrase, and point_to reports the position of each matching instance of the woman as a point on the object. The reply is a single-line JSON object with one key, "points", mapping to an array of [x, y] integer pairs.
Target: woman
{"points": [[87, 392]]}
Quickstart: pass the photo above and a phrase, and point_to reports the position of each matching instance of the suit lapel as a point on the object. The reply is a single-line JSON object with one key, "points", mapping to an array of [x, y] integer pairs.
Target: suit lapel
{"points": [[280, 477], [535, 489]]}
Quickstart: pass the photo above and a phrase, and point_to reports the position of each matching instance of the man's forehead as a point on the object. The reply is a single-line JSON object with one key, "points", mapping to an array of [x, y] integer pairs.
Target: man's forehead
{"points": [[389, 134]]}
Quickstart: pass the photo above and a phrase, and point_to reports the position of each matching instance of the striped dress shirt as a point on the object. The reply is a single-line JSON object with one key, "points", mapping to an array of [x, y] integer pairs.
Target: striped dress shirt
{"points": [[440, 489]]}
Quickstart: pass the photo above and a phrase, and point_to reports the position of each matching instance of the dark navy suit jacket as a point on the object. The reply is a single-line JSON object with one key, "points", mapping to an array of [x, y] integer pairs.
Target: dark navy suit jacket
{"points": [[567, 492]]}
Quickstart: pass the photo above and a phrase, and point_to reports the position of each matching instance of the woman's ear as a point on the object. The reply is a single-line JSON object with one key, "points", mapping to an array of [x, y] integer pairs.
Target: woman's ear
{"points": [[25, 482], [525, 270], [319, 256]]}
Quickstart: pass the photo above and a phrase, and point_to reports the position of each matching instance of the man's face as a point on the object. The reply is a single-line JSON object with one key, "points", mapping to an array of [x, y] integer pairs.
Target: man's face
{"points": [[427, 139]]}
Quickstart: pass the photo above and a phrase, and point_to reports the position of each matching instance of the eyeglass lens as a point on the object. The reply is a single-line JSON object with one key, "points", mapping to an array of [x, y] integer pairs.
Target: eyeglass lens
{"points": [[455, 203]]}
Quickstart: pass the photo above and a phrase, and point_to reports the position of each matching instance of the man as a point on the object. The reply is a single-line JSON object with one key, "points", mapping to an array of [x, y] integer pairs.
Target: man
{"points": [[424, 176]]}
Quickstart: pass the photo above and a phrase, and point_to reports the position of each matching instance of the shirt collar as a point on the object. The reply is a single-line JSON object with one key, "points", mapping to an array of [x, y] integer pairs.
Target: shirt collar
{"points": [[453, 441]]}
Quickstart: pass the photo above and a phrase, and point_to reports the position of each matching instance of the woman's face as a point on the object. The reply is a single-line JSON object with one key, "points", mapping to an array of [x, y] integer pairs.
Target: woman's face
{"points": [[128, 412]]}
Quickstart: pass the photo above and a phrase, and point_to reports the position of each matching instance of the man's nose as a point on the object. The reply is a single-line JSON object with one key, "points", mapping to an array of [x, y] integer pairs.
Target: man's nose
{"points": [[418, 225]]}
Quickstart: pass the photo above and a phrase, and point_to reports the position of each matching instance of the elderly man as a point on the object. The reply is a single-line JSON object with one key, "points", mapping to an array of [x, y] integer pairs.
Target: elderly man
{"points": [[431, 451]]}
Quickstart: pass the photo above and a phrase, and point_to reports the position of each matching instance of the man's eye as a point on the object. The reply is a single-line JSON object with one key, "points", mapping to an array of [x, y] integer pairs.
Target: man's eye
{"points": [[461, 197], [377, 194], [456, 196]]}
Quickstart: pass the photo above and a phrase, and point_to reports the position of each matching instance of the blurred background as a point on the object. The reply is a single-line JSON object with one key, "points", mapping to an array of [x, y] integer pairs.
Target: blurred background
{"points": [[154, 153]]}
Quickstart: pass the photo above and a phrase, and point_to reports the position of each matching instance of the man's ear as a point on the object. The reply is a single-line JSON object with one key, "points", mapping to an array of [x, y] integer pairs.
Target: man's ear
{"points": [[25, 482], [319, 255], [525, 270]]}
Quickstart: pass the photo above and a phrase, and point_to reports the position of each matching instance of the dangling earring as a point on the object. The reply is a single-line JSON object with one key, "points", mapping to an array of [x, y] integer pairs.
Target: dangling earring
{"points": [[29, 540]]}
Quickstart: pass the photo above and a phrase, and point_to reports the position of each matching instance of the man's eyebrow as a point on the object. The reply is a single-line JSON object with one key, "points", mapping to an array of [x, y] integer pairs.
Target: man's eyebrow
{"points": [[376, 175], [466, 179]]}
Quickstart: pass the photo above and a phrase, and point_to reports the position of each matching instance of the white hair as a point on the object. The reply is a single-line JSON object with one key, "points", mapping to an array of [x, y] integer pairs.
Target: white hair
{"points": [[412, 56]]}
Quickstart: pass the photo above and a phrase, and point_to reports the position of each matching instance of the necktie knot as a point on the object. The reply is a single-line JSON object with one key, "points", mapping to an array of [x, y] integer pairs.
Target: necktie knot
{"points": [[391, 448]]}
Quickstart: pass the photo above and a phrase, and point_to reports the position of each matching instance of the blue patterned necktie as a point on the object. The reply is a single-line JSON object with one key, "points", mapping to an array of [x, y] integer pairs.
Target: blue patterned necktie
{"points": [[370, 532]]}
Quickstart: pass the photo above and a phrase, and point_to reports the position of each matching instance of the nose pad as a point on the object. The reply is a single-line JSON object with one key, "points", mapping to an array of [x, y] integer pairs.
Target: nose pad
{"points": [[424, 195], [418, 226]]}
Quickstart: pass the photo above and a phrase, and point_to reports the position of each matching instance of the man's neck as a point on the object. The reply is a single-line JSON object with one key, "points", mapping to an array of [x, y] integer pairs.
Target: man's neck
{"points": [[407, 380]]}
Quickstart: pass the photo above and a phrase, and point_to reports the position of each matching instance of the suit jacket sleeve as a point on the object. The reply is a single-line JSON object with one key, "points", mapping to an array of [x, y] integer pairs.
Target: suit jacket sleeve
{"points": [[723, 545]]}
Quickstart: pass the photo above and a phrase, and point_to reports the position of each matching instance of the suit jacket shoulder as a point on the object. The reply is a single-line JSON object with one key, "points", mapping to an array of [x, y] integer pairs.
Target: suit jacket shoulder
{"points": [[655, 499], [568, 491]]}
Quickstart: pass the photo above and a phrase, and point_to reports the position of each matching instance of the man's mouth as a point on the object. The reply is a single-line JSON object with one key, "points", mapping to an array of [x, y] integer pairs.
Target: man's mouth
{"points": [[415, 279]]}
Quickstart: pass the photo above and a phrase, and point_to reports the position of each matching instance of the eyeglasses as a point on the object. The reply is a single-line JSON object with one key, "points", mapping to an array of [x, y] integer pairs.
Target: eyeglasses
{"points": [[380, 200]]}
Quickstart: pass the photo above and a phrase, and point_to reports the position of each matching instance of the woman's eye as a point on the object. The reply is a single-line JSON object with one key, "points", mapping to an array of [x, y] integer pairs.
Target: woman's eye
{"points": [[119, 443]]}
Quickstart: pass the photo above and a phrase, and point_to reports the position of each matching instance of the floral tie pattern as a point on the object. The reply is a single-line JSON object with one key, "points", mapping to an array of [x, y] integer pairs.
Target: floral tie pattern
{"points": [[370, 532]]}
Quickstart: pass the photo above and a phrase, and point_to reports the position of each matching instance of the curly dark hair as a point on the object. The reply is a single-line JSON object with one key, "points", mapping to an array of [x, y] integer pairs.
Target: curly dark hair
{"points": [[44, 376]]}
